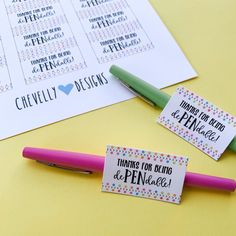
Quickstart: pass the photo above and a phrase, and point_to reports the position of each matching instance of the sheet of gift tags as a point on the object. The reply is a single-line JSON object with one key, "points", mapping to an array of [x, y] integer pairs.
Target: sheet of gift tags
{"points": [[55, 57]]}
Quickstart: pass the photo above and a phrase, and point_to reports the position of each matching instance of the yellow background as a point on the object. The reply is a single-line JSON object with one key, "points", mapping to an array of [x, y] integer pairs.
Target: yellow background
{"points": [[39, 200]]}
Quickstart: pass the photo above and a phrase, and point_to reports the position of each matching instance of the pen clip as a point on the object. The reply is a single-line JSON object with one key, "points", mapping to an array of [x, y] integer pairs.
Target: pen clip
{"points": [[137, 93], [76, 170]]}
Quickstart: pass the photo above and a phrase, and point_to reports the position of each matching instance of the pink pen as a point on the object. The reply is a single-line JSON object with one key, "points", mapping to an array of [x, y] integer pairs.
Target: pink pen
{"points": [[87, 163]]}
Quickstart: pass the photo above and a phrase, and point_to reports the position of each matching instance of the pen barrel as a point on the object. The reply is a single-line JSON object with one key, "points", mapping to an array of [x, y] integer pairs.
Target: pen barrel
{"points": [[95, 163], [81, 161], [200, 180], [146, 90], [232, 145]]}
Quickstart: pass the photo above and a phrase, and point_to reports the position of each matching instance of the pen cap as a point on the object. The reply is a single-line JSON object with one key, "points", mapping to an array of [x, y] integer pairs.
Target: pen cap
{"points": [[82, 161], [141, 87]]}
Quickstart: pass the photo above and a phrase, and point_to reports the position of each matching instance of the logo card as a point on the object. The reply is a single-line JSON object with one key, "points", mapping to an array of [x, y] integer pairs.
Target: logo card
{"points": [[144, 174], [199, 122]]}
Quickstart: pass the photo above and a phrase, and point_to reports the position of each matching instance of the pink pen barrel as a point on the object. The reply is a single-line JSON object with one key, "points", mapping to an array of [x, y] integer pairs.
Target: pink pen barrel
{"points": [[95, 163], [82, 161], [200, 180]]}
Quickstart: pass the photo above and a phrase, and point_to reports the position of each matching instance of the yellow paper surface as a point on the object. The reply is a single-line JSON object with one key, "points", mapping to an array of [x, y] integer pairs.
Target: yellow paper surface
{"points": [[39, 200]]}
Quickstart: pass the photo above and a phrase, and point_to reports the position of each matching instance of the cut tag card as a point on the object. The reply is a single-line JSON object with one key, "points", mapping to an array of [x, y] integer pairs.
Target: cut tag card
{"points": [[144, 174], [199, 122]]}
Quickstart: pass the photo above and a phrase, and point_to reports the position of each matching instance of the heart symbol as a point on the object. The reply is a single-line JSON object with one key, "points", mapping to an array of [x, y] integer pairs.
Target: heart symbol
{"points": [[66, 88]]}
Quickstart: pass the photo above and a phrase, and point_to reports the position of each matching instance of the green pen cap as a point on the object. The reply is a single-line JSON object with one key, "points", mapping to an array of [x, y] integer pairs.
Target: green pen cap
{"points": [[142, 88]]}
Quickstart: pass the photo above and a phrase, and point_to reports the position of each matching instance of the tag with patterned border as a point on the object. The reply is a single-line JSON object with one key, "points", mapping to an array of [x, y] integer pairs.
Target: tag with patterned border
{"points": [[199, 122], [144, 174]]}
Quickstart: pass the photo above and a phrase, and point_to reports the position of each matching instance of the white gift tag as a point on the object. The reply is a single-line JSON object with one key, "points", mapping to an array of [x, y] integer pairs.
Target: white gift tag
{"points": [[199, 122], [144, 174]]}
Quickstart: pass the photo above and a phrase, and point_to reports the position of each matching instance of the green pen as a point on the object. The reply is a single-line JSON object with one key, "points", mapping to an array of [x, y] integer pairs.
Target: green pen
{"points": [[147, 92]]}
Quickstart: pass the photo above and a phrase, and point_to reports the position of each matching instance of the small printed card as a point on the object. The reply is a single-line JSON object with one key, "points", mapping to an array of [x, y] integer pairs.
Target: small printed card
{"points": [[144, 174], [199, 122]]}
